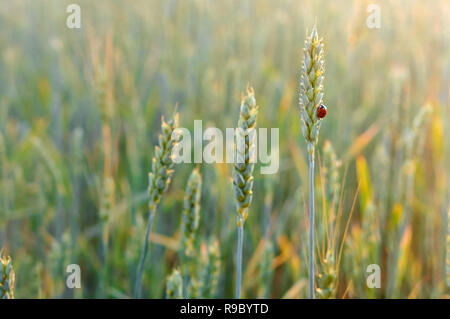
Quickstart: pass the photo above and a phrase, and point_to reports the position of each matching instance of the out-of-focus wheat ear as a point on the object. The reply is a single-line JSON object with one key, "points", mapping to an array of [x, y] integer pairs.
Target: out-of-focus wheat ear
{"points": [[327, 278], [266, 270], [212, 270], [174, 286], [331, 180], [189, 222], [191, 212], [7, 277], [331, 173]]}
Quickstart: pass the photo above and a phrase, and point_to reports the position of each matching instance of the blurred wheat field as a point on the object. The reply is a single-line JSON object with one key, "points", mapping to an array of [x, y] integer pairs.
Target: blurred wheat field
{"points": [[80, 113]]}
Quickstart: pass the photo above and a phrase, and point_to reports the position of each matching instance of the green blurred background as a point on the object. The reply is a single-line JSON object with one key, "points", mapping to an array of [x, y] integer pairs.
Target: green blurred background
{"points": [[80, 114]]}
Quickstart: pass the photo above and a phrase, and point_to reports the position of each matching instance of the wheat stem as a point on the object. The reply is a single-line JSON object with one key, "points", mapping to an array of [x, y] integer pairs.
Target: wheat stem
{"points": [[239, 258], [311, 94], [311, 225], [137, 288]]}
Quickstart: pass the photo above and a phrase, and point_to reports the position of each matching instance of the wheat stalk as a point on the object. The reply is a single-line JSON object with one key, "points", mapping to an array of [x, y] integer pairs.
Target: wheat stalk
{"points": [[174, 285], [7, 278], [243, 170], [311, 93], [158, 179], [106, 204]]}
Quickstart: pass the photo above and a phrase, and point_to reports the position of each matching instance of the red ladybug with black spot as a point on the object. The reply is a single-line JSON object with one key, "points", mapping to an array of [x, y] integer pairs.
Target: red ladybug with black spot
{"points": [[321, 111]]}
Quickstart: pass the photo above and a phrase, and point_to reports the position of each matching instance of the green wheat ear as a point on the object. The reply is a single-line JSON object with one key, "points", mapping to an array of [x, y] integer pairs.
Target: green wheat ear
{"points": [[245, 146], [311, 94], [158, 181], [311, 88], [212, 270], [243, 179], [174, 285], [191, 211], [162, 163], [7, 278]]}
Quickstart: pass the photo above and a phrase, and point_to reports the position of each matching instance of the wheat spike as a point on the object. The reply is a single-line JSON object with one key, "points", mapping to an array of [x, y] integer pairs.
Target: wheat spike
{"points": [[311, 88], [212, 270], [243, 179], [311, 94], [266, 270], [191, 212], [243, 169], [158, 181], [326, 283], [7, 278], [331, 173], [174, 285], [162, 163]]}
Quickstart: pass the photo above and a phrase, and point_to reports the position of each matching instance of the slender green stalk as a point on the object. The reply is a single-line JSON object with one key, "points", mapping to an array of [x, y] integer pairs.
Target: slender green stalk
{"points": [[311, 226], [137, 289], [106, 203], [239, 258], [311, 94], [158, 179]]}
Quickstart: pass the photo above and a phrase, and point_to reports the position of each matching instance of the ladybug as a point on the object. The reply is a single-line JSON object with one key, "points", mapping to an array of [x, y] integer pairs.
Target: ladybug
{"points": [[321, 111]]}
